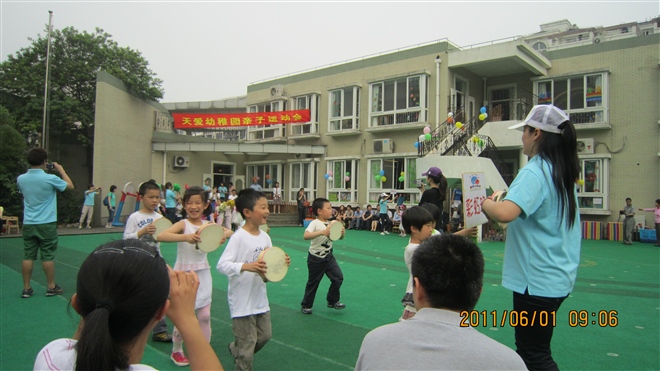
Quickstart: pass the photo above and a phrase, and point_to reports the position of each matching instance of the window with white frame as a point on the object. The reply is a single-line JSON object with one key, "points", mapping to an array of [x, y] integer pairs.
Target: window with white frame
{"points": [[593, 187], [310, 102], [302, 175], [400, 176], [583, 97], [266, 175], [398, 101], [267, 131], [342, 180], [344, 107]]}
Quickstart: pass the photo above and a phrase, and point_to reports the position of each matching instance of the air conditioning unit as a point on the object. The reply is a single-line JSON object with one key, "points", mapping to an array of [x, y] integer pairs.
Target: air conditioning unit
{"points": [[181, 161], [383, 146], [276, 91], [585, 146]]}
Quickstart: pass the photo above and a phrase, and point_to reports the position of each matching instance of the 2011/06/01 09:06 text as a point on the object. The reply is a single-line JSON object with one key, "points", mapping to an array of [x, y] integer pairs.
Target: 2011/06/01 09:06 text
{"points": [[576, 318]]}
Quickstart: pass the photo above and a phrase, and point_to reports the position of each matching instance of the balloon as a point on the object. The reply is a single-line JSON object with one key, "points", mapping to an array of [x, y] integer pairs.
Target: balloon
{"points": [[483, 110], [269, 181], [416, 144], [377, 177], [347, 178], [330, 173], [459, 125], [427, 129], [326, 176], [329, 179], [348, 174], [383, 179], [186, 186], [402, 178], [485, 115], [382, 172], [176, 187], [421, 138], [427, 136], [450, 120], [450, 114], [482, 116]]}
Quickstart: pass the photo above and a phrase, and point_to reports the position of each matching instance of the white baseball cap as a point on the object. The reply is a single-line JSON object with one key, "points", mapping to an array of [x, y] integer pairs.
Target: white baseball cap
{"points": [[544, 117]]}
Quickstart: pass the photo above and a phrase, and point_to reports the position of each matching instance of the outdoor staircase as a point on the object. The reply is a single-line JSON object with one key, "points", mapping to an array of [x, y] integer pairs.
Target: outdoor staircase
{"points": [[283, 219]]}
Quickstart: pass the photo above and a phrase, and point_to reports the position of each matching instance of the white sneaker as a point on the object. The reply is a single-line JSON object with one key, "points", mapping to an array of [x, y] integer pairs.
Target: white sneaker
{"points": [[80, 227], [382, 233], [386, 232]]}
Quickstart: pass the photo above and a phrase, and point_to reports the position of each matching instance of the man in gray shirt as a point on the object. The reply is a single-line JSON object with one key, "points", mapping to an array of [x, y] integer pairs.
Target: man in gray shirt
{"points": [[447, 275]]}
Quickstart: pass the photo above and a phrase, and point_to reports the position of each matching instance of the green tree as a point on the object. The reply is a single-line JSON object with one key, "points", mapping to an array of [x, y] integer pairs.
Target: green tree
{"points": [[75, 59], [12, 163]]}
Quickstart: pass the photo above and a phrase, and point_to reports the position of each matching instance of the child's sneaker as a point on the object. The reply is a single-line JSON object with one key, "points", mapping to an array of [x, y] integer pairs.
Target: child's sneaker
{"points": [[179, 359], [386, 232], [382, 233], [162, 337], [27, 293], [57, 290], [306, 310]]}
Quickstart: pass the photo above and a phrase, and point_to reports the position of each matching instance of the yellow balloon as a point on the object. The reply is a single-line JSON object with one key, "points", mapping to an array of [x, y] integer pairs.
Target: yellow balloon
{"points": [[383, 179], [459, 125]]}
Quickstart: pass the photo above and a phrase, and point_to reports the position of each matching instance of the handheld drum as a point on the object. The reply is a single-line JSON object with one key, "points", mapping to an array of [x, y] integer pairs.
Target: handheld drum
{"points": [[275, 259], [211, 235], [161, 225], [498, 196], [335, 230]]}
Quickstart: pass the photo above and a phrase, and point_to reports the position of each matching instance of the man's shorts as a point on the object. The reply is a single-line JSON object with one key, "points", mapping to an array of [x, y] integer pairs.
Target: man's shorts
{"points": [[39, 237]]}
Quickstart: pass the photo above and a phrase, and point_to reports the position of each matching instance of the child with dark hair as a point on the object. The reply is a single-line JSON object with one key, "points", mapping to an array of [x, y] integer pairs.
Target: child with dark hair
{"points": [[123, 288], [140, 225], [111, 204], [246, 292], [656, 219], [189, 258], [419, 223], [320, 260]]}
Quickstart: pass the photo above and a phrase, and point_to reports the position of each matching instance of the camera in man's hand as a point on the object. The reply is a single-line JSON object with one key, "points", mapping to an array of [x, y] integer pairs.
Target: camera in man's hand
{"points": [[50, 166]]}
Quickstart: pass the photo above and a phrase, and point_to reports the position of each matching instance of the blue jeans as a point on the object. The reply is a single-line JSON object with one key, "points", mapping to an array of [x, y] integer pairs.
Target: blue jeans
{"points": [[111, 214]]}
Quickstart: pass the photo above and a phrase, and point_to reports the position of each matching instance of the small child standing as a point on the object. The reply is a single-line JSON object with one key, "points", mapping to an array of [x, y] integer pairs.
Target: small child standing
{"points": [[188, 258], [320, 260], [140, 225], [246, 293], [419, 224]]}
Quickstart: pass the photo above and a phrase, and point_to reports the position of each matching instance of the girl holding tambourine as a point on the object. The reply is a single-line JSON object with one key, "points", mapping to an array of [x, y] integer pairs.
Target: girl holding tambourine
{"points": [[188, 258]]}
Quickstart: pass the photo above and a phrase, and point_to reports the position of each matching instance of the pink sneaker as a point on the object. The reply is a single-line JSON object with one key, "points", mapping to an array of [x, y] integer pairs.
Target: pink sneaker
{"points": [[179, 359]]}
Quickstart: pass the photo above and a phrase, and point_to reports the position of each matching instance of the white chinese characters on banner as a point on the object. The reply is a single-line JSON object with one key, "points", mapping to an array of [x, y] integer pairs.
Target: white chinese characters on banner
{"points": [[474, 193]]}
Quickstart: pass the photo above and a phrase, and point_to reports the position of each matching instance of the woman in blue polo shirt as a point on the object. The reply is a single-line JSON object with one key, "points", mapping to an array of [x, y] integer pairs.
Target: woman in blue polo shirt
{"points": [[543, 241]]}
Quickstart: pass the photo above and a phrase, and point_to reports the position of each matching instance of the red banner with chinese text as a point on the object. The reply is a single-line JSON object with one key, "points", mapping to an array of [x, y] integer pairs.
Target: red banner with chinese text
{"points": [[229, 120]]}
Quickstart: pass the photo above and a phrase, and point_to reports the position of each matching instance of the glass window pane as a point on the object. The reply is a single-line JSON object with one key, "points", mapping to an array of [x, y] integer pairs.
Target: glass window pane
{"points": [[375, 170], [305, 176], [377, 98], [592, 176], [336, 104], [411, 173], [544, 91], [577, 93], [348, 102], [560, 94], [295, 176], [401, 94], [389, 96], [413, 96], [594, 91], [301, 103]]}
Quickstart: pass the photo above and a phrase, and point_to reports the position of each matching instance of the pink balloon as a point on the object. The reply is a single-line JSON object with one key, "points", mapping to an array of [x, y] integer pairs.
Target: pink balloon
{"points": [[330, 173], [347, 178], [427, 130]]}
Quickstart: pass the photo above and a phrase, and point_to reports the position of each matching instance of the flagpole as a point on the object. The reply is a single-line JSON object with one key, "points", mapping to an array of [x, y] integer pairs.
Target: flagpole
{"points": [[44, 126]]}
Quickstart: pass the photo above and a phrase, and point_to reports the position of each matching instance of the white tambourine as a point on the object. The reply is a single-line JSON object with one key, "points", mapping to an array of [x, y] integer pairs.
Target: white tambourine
{"points": [[275, 259], [211, 236], [161, 225], [335, 230]]}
